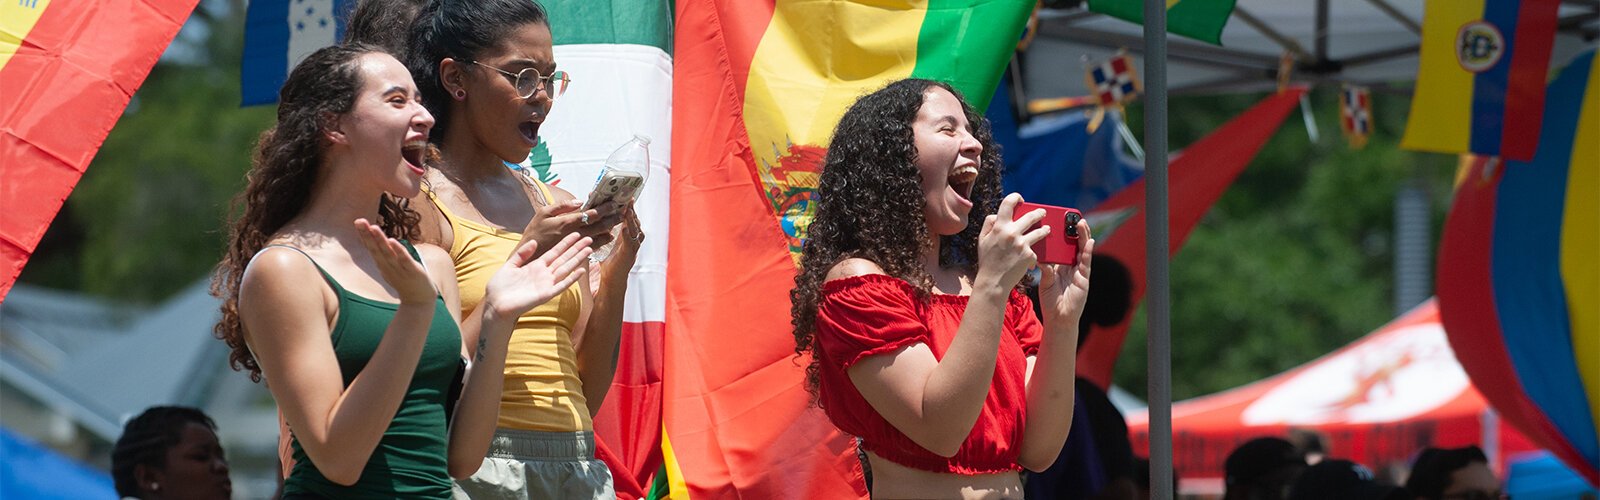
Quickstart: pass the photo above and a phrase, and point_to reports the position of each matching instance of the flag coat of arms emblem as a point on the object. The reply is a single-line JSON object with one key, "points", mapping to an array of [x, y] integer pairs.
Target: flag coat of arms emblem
{"points": [[1481, 79]]}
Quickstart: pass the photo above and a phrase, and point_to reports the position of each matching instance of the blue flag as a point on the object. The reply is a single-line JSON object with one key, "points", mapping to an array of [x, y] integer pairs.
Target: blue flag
{"points": [[278, 34], [1055, 160]]}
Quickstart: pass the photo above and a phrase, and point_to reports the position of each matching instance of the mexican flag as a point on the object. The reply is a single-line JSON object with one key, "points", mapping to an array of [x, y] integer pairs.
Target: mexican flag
{"points": [[619, 54], [758, 88]]}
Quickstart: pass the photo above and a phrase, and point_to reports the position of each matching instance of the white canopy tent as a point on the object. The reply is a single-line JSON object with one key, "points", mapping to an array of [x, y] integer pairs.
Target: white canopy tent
{"points": [[1367, 42]]}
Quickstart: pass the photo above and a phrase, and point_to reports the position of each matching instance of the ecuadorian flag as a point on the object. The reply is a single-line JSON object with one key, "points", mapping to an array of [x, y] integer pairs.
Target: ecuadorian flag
{"points": [[758, 87], [1519, 285], [1480, 84], [67, 70]]}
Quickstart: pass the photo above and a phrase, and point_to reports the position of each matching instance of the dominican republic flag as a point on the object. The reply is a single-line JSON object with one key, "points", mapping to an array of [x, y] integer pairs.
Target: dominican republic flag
{"points": [[1114, 81], [278, 34], [1355, 114]]}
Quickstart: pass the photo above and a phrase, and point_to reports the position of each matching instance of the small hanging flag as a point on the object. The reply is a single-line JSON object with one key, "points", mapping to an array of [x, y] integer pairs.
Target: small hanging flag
{"points": [[1355, 114], [1112, 83]]}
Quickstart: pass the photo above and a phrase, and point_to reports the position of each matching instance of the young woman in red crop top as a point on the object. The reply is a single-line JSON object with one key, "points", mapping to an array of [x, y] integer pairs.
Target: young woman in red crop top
{"points": [[921, 345]]}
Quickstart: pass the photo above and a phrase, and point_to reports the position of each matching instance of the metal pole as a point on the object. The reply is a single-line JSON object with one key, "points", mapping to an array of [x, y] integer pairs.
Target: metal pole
{"points": [[1156, 251]]}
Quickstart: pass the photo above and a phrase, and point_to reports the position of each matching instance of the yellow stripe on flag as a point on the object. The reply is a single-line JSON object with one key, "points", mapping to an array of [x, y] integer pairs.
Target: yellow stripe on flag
{"points": [[677, 489], [1441, 103], [1580, 241], [17, 18], [815, 59]]}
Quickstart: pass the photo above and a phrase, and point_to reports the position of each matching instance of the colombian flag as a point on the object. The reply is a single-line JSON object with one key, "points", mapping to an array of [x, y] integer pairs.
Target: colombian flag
{"points": [[67, 70], [1519, 286], [757, 89], [1480, 84]]}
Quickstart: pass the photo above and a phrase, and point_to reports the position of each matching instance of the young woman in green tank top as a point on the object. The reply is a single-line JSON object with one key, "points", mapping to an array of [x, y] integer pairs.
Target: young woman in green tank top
{"points": [[357, 332]]}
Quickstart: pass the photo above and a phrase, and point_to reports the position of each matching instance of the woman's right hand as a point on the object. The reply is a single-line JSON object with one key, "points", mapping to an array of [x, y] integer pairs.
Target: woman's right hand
{"points": [[525, 281], [399, 270], [1005, 250], [555, 221]]}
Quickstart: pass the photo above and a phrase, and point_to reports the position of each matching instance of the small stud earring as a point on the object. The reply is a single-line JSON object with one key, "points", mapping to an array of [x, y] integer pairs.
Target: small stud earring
{"points": [[155, 486]]}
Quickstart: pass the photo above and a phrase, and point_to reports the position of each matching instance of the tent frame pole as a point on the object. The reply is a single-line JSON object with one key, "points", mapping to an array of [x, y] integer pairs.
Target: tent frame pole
{"points": [[1157, 294]]}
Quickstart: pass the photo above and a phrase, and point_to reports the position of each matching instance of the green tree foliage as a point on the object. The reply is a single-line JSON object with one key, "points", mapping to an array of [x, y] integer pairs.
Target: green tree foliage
{"points": [[1296, 259], [147, 217]]}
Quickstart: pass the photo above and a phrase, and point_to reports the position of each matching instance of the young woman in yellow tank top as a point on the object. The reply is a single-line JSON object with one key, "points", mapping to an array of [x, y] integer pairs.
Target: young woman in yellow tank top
{"points": [[487, 71]]}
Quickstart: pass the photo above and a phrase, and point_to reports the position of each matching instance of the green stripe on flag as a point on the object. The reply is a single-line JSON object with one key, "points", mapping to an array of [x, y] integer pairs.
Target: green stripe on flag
{"points": [[968, 44], [1201, 20], [636, 22]]}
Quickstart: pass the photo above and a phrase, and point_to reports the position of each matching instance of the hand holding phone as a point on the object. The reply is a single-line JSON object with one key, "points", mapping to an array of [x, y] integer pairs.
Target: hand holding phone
{"points": [[1061, 246], [616, 187]]}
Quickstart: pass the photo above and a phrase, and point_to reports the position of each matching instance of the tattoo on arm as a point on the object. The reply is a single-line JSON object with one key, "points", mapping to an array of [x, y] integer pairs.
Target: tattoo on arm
{"points": [[483, 342]]}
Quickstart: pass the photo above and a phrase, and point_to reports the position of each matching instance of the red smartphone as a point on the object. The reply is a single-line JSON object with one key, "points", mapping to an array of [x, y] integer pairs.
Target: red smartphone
{"points": [[1061, 246]]}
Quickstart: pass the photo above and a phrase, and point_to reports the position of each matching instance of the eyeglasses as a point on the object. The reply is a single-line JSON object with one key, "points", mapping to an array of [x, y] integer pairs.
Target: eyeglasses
{"points": [[529, 81]]}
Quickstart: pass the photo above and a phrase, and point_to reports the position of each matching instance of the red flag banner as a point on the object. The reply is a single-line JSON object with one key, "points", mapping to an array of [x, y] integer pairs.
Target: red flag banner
{"points": [[67, 70], [1199, 177]]}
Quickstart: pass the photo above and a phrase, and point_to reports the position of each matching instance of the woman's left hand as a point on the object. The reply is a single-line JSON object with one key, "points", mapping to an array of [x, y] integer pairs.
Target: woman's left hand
{"points": [[1063, 289], [632, 232]]}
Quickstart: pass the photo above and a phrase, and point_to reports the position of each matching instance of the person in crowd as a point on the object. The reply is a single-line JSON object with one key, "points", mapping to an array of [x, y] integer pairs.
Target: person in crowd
{"points": [[1453, 474], [488, 73], [1262, 469], [1336, 479], [908, 302], [357, 331], [170, 452], [1097, 460]]}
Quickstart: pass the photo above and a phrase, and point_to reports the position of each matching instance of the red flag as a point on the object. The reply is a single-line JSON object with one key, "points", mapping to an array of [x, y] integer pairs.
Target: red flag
{"points": [[1199, 176], [67, 70]]}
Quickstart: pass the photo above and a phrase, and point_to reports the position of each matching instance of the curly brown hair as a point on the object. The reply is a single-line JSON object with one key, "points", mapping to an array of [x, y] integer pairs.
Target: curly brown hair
{"points": [[869, 203], [282, 174]]}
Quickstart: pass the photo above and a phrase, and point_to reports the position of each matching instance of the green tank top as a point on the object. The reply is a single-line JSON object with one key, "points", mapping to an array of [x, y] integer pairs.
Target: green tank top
{"points": [[410, 460]]}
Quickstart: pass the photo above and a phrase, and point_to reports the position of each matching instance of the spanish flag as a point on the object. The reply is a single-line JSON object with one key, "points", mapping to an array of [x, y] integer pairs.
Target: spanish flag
{"points": [[1481, 80], [757, 89], [67, 70]]}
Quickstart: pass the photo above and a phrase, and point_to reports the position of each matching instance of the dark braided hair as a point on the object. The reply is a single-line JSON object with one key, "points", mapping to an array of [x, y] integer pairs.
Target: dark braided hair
{"points": [[146, 439], [869, 203], [284, 170], [461, 30]]}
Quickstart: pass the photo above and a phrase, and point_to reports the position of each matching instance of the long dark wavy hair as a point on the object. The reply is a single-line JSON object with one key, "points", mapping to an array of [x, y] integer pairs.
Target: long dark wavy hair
{"points": [[461, 30], [283, 172], [870, 203]]}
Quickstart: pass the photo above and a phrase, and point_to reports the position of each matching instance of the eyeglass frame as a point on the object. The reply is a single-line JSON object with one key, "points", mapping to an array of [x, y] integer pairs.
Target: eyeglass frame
{"points": [[541, 81]]}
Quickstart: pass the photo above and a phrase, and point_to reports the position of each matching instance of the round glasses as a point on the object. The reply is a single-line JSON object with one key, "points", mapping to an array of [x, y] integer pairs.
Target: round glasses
{"points": [[529, 81]]}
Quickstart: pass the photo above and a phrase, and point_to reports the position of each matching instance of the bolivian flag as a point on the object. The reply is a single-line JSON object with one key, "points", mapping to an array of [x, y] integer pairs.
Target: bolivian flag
{"points": [[757, 89], [67, 70], [1481, 80]]}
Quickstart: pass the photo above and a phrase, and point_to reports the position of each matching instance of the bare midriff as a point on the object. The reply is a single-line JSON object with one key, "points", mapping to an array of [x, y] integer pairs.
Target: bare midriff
{"points": [[892, 481]]}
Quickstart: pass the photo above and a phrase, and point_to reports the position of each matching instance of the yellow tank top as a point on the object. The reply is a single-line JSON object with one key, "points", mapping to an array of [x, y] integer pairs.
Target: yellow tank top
{"points": [[542, 388]]}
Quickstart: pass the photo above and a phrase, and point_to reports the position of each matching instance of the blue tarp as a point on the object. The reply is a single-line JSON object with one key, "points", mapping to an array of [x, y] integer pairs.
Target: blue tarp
{"points": [[29, 470], [1055, 160]]}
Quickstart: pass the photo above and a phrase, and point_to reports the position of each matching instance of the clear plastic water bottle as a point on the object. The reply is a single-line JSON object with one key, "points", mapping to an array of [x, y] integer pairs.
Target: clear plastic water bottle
{"points": [[632, 159]]}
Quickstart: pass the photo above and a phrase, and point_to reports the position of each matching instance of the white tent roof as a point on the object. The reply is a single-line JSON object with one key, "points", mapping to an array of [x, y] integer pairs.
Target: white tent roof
{"points": [[1368, 42]]}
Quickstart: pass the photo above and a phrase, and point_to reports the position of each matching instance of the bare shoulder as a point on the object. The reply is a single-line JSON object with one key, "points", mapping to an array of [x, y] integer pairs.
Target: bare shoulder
{"points": [[560, 195], [852, 267], [437, 260], [276, 279]]}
